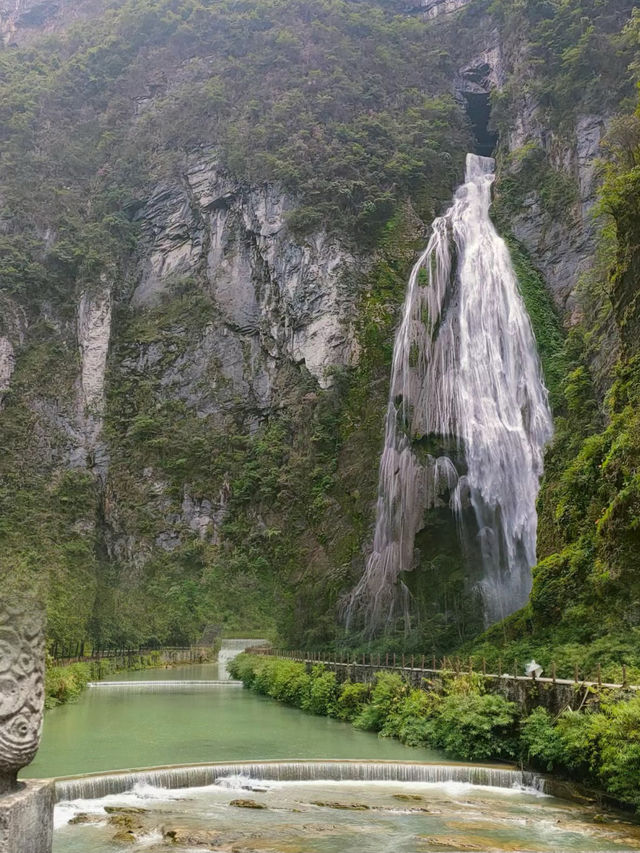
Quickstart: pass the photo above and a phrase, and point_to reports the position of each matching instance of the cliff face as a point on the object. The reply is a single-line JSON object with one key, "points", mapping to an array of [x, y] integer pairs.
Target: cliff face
{"points": [[222, 320], [278, 300], [24, 20], [192, 422]]}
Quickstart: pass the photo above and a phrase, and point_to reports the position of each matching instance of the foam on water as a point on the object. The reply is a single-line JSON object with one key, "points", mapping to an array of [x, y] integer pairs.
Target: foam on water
{"points": [[93, 787]]}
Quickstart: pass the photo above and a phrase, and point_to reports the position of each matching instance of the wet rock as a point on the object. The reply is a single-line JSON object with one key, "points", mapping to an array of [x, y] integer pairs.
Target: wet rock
{"points": [[446, 843], [125, 836], [83, 818], [353, 807], [125, 810], [247, 804], [407, 797], [193, 837]]}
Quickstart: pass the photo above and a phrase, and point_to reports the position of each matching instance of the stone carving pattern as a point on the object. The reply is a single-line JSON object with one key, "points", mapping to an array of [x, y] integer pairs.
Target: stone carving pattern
{"points": [[21, 688]]}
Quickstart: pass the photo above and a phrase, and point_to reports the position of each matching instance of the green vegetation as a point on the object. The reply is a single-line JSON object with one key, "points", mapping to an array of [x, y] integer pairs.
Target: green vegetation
{"points": [[347, 106], [463, 720], [65, 683], [576, 53], [600, 748], [586, 587]]}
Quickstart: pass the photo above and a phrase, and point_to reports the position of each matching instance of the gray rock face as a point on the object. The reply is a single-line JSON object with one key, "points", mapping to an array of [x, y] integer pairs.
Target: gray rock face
{"points": [[562, 249], [93, 333], [7, 366], [485, 72], [21, 20], [435, 8], [278, 298]]}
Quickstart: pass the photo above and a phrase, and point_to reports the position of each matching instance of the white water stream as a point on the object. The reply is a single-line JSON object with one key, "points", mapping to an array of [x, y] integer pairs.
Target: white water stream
{"points": [[466, 371]]}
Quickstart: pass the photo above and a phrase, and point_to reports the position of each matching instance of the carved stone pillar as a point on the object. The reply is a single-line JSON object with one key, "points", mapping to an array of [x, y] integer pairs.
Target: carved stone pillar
{"points": [[26, 808]]}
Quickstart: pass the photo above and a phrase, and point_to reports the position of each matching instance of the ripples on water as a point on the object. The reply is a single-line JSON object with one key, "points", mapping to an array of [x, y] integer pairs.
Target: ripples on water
{"points": [[306, 817]]}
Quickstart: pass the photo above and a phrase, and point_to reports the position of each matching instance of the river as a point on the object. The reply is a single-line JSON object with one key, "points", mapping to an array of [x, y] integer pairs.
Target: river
{"points": [[115, 728], [119, 727]]}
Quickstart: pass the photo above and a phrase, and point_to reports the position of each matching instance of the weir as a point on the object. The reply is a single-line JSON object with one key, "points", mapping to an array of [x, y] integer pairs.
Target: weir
{"points": [[229, 649], [467, 418], [153, 686], [201, 775]]}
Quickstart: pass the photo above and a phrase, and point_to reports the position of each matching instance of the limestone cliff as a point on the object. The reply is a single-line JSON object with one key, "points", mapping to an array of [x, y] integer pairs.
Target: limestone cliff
{"points": [[202, 286]]}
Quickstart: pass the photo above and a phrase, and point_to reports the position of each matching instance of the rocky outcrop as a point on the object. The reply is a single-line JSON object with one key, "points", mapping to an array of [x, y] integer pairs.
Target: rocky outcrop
{"points": [[435, 8], [278, 298], [562, 248], [21, 20], [7, 366], [94, 332]]}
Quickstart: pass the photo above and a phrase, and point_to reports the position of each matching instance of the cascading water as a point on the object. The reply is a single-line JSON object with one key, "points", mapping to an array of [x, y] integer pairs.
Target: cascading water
{"points": [[466, 375], [199, 775]]}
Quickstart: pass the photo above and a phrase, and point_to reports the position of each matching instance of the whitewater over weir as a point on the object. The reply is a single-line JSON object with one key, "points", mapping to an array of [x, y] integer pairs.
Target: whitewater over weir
{"points": [[465, 371]]}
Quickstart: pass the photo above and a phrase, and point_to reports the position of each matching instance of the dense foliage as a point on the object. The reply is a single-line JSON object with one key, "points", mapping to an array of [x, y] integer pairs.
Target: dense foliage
{"points": [[347, 106], [598, 747]]}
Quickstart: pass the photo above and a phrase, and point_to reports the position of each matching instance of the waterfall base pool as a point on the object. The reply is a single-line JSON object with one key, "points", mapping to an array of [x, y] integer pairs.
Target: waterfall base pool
{"points": [[241, 814]]}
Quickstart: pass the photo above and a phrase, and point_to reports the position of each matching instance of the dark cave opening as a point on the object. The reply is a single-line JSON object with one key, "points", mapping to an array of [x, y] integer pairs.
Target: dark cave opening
{"points": [[478, 107]]}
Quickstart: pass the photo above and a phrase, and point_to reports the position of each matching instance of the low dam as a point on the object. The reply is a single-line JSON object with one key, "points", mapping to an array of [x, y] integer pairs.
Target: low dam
{"points": [[326, 807]]}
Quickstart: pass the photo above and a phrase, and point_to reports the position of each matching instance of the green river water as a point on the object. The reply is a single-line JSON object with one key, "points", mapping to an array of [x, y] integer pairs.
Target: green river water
{"points": [[117, 728], [111, 729]]}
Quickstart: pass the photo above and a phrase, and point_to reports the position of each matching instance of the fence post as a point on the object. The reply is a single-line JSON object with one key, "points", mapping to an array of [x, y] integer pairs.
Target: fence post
{"points": [[484, 666], [411, 661], [553, 672], [624, 675], [499, 667], [470, 665], [576, 673], [599, 677], [394, 660], [515, 667]]}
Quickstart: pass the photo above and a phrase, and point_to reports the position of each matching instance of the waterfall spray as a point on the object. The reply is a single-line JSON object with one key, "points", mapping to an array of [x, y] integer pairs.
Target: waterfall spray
{"points": [[465, 371]]}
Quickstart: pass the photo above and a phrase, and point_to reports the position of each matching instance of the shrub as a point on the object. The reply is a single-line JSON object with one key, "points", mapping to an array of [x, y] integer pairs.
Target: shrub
{"points": [[322, 693], [541, 741], [242, 668], [615, 733], [66, 683], [413, 719], [350, 701], [387, 692], [476, 727]]}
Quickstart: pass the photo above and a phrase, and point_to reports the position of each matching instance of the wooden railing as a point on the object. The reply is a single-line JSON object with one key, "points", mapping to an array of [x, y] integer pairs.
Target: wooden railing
{"points": [[182, 653]]}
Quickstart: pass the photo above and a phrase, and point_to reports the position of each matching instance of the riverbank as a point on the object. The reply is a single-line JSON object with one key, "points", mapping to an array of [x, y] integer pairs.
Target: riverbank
{"points": [[65, 683], [597, 748]]}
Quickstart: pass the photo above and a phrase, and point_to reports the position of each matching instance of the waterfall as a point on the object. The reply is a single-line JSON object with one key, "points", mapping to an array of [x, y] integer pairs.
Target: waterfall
{"points": [[466, 375], [201, 775]]}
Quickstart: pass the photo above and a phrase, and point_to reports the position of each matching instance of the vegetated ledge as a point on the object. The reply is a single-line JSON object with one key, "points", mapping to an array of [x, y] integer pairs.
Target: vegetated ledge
{"points": [[593, 754]]}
